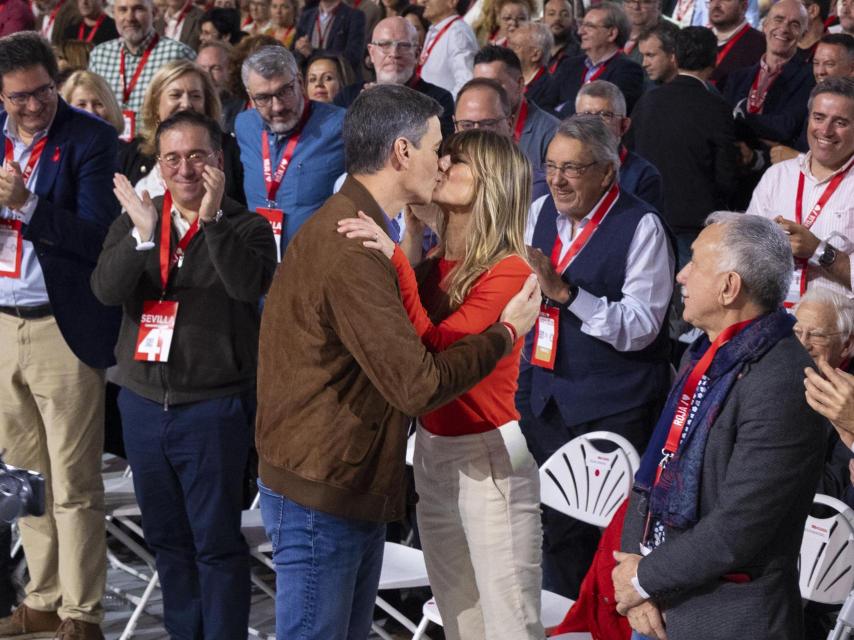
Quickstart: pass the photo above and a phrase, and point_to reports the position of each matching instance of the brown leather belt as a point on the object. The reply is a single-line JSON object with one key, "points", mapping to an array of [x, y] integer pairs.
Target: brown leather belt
{"points": [[28, 313]]}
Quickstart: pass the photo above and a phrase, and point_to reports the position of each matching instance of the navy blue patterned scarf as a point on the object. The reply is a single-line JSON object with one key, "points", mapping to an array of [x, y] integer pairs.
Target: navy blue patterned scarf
{"points": [[675, 498]]}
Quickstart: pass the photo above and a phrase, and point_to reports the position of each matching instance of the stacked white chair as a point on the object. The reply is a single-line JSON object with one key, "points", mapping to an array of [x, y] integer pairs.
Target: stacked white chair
{"points": [[826, 559]]}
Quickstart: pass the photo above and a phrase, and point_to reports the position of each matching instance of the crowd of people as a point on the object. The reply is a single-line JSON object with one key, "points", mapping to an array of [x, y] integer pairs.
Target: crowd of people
{"points": [[250, 245]]}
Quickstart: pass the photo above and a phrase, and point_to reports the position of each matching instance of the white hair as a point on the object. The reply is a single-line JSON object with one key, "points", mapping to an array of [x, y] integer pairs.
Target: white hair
{"points": [[841, 305]]}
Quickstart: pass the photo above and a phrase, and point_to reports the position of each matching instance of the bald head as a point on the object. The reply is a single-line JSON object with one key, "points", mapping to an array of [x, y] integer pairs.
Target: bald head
{"points": [[394, 50]]}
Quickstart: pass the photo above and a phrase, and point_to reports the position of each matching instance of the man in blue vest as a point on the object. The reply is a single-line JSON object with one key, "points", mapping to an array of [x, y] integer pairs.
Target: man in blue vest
{"points": [[605, 263]]}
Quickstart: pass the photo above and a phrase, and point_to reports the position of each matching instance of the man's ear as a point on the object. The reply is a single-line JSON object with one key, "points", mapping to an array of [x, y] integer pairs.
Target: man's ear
{"points": [[732, 288], [400, 153]]}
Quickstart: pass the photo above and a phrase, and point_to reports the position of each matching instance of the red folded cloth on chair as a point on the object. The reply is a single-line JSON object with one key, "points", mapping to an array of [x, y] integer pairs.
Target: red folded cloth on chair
{"points": [[595, 610]]}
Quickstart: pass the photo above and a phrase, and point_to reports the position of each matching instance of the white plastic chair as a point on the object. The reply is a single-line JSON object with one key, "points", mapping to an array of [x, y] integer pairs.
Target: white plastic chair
{"points": [[826, 559], [586, 483]]}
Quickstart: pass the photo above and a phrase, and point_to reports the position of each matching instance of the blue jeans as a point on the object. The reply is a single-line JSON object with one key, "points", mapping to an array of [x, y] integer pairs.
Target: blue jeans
{"points": [[327, 570], [637, 636], [188, 465]]}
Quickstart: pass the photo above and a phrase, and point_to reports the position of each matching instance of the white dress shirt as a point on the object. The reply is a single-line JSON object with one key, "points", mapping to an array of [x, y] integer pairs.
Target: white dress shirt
{"points": [[632, 323], [28, 290], [776, 193], [450, 62]]}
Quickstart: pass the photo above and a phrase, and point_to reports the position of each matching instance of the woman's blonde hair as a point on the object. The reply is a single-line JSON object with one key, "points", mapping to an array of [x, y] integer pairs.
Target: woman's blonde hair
{"points": [[499, 211], [97, 85], [151, 103]]}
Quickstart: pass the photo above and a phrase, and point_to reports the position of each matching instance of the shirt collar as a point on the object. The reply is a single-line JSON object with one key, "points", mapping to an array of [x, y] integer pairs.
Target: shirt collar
{"points": [[725, 36], [11, 132], [804, 163], [589, 63], [439, 25]]}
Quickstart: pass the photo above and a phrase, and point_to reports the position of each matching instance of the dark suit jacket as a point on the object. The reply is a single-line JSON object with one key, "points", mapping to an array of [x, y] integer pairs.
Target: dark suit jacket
{"points": [[75, 209], [785, 105], [349, 93], [190, 30], [107, 31], [762, 464], [544, 92], [744, 53], [624, 73], [346, 35], [686, 131]]}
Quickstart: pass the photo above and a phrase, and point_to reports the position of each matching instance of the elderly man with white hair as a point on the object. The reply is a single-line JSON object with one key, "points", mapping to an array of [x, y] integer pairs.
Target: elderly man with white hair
{"points": [[532, 42], [716, 515]]}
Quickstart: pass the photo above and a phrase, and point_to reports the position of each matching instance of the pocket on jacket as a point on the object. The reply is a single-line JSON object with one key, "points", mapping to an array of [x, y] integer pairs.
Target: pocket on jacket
{"points": [[359, 443]]}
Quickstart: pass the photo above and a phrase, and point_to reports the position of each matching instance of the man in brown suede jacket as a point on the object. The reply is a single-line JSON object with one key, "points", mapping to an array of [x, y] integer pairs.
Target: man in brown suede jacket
{"points": [[340, 368]]}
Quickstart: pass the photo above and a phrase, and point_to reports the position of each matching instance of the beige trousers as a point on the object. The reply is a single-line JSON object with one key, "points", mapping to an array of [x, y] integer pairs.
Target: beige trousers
{"points": [[52, 421], [479, 521]]}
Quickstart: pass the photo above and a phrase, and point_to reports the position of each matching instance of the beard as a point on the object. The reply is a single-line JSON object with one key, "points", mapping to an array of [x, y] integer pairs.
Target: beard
{"points": [[394, 77]]}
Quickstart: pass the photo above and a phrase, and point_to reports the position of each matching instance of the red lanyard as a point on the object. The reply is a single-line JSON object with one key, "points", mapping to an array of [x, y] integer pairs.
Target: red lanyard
{"points": [[127, 89], [520, 120], [582, 238], [536, 77], [624, 153], [51, 19], [556, 61], [284, 38], [91, 36], [689, 389], [829, 190], [731, 43], [273, 181], [755, 99], [426, 55], [598, 72], [35, 154], [166, 258], [629, 46], [322, 34], [682, 9]]}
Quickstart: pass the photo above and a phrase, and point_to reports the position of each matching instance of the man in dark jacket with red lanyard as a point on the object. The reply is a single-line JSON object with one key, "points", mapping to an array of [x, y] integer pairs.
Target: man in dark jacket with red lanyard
{"points": [[714, 525], [189, 269]]}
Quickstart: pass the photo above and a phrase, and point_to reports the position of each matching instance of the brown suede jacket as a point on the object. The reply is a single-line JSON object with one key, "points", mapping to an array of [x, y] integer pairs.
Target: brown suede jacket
{"points": [[340, 368]]}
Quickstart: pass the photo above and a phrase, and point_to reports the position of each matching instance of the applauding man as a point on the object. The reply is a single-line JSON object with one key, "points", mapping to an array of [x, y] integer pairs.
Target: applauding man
{"points": [[188, 270]]}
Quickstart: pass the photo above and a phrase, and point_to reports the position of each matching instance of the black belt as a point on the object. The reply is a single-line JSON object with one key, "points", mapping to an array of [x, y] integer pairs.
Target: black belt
{"points": [[28, 313]]}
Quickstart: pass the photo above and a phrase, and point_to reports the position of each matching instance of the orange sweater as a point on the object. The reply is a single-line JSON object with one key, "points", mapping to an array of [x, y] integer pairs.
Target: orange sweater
{"points": [[491, 402]]}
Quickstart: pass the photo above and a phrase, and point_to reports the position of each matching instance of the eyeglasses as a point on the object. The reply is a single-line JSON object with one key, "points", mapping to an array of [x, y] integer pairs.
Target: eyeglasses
{"points": [[388, 46], [592, 25], [285, 92], [468, 125], [639, 3], [517, 20], [196, 159], [567, 169], [607, 116], [818, 338], [42, 94]]}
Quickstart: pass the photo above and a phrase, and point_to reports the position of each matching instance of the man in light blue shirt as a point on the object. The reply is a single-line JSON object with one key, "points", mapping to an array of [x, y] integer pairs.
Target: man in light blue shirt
{"points": [[291, 148]]}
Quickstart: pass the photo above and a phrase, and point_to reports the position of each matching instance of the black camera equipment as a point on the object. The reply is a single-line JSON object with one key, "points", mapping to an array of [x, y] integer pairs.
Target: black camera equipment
{"points": [[21, 493]]}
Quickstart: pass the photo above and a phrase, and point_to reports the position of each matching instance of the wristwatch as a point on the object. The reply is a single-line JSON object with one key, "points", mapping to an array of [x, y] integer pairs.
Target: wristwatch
{"points": [[217, 217], [828, 256]]}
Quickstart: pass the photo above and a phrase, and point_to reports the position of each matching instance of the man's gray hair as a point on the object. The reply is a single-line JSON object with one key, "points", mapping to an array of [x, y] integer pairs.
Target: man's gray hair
{"points": [[595, 135], [269, 62], [615, 17], [377, 118], [604, 90], [758, 250], [837, 86], [842, 306], [540, 38]]}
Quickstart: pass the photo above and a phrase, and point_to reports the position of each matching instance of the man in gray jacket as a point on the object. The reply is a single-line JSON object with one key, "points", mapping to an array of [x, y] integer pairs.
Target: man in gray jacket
{"points": [[716, 516]]}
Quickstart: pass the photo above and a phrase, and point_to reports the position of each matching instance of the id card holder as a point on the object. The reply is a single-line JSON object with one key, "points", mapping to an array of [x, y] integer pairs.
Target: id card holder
{"points": [[11, 248], [276, 218], [156, 328], [545, 337], [129, 131], [793, 295]]}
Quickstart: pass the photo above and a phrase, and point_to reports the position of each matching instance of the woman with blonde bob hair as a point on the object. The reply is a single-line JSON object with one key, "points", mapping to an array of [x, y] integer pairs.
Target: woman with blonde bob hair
{"points": [[89, 91], [478, 486], [179, 85]]}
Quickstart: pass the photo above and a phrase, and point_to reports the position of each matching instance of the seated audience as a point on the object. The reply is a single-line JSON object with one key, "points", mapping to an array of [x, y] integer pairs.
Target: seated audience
{"points": [[188, 270], [845, 13], [637, 176], [603, 33], [259, 18], [558, 17], [511, 14], [181, 21], [325, 74], [394, 55], [215, 59], [739, 44], [89, 91], [178, 86], [810, 196], [818, 12], [717, 511], [643, 15], [532, 42]]}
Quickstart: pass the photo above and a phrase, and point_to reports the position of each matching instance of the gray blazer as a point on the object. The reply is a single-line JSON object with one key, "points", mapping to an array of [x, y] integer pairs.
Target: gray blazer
{"points": [[537, 133], [762, 464]]}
